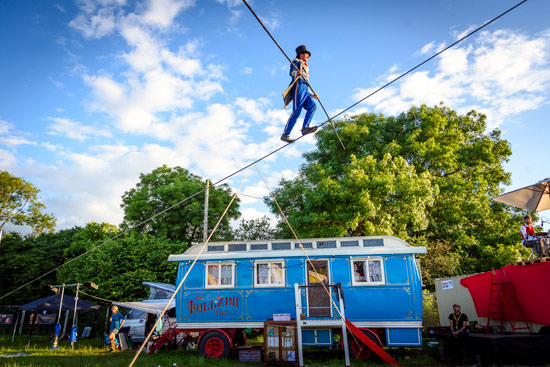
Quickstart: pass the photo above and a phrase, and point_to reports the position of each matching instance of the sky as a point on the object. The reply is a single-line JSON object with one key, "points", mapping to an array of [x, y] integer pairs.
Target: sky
{"points": [[94, 93]]}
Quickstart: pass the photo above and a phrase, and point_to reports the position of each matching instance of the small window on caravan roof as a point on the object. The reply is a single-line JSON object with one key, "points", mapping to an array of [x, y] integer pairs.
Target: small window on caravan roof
{"points": [[220, 275], [269, 273], [368, 271]]}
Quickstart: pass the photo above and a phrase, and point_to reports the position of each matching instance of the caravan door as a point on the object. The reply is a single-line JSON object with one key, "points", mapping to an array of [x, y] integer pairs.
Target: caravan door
{"points": [[318, 301]]}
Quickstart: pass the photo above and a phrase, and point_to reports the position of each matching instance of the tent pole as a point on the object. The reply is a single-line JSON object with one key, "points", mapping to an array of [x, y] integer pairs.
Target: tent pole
{"points": [[22, 321], [15, 327], [35, 315], [73, 336], [58, 325], [65, 323]]}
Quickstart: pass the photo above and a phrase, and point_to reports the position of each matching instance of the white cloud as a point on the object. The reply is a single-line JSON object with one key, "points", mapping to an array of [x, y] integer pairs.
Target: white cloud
{"points": [[247, 70], [95, 25], [427, 48], [11, 138], [75, 130], [88, 187], [230, 3], [7, 160], [161, 13], [502, 74]]}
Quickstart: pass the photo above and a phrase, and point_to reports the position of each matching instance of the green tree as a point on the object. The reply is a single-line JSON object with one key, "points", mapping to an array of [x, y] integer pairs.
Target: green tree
{"points": [[368, 197], [426, 175], [26, 258], [19, 205], [164, 187], [120, 265], [254, 229]]}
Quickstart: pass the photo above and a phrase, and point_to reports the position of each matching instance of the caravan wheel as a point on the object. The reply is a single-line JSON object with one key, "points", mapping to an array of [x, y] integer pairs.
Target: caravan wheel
{"points": [[359, 350], [214, 345]]}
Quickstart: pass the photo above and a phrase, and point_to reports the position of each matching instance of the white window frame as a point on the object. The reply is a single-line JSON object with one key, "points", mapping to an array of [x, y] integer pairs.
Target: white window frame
{"points": [[365, 261], [219, 264], [269, 262]]}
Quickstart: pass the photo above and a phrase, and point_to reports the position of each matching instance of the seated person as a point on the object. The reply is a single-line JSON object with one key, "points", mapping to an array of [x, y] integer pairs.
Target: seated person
{"points": [[527, 230], [458, 323]]}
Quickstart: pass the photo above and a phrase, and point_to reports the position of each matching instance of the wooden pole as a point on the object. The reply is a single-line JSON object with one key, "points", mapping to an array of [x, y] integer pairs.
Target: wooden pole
{"points": [[205, 225]]}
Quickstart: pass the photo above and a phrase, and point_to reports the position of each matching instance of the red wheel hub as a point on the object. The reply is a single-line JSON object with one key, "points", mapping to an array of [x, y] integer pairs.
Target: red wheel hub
{"points": [[214, 347]]}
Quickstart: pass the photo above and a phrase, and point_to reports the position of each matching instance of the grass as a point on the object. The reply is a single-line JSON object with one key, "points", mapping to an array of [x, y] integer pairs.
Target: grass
{"points": [[92, 353]]}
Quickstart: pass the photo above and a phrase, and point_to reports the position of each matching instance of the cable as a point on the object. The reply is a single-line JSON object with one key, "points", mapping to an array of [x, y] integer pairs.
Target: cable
{"points": [[250, 196], [295, 67], [260, 159]]}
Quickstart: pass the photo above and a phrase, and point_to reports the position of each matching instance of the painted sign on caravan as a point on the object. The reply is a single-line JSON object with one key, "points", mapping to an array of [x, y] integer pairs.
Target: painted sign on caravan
{"points": [[214, 305]]}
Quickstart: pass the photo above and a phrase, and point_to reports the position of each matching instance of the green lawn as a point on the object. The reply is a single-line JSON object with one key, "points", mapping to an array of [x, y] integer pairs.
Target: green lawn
{"points": [[91, 352]]}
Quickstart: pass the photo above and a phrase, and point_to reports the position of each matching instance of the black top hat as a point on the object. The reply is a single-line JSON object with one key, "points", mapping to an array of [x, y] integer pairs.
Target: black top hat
{"points": [[301, 50]]}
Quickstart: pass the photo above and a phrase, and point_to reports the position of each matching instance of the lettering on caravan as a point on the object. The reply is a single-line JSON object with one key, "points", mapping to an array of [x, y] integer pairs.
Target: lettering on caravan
{"points": [[220, 304]]}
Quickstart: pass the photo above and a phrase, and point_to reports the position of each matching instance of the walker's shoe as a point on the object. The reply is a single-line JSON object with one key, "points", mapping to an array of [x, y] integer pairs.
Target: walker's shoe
{"points": [[286, 138], [111, 350], [309, 130]]}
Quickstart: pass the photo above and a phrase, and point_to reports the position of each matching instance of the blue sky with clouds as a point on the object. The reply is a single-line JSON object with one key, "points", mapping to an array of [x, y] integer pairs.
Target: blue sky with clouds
{"points": [[95, 92]]}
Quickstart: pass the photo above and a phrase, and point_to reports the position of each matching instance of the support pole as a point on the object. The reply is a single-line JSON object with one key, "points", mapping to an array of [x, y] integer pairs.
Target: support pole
{"points": [[15, 326], [298, 300], [33, 321], [73, 333], [65, 323], [344, 328], [22, 321], [58, 325], [205, 225]]}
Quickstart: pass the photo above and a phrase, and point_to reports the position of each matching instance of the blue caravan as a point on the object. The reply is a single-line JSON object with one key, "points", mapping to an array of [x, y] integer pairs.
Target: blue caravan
{"points": [[374, 281]]}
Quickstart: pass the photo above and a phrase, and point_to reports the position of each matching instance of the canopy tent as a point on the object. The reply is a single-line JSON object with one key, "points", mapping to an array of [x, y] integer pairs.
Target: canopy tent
{"points": [[535, 197], [51, 303], [149, 306]]}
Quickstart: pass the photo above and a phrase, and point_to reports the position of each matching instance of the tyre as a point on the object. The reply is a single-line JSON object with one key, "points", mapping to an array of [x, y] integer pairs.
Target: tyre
{"points": [[357, 349], [214, 345]]}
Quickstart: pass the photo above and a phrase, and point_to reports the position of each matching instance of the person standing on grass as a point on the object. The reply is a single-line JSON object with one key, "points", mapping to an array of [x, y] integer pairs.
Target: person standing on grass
{"points": [[298, 92], [117, 320]]}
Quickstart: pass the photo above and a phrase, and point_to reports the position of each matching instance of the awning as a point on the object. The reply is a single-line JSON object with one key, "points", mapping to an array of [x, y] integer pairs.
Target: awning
{"points": [[149, 306], [534, 198]]}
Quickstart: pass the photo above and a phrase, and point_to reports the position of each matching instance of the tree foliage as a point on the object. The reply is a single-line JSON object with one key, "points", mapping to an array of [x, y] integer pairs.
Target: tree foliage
{"points": [[26, 258], [426, 175], [254, 229], [19, 205], [120, 265], [165, 187]]}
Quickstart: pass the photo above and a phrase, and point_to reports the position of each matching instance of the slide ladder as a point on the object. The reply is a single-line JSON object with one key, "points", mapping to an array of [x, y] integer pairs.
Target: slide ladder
{"points": [[503, 304]]}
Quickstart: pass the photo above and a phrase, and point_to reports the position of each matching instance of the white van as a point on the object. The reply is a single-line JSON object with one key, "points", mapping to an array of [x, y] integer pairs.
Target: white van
{"points": [[142, 311]]}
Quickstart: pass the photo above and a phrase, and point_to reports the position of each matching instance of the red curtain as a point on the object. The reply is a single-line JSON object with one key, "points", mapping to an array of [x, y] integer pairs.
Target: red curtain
{"points": [[526, 286]]}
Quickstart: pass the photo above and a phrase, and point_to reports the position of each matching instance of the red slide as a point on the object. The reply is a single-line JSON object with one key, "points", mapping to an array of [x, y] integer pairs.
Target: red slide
{"points": [[369, 343]]}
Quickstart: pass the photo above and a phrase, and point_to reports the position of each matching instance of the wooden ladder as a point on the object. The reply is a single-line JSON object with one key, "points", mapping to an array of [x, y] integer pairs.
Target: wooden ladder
{"points": [[501, 296]]}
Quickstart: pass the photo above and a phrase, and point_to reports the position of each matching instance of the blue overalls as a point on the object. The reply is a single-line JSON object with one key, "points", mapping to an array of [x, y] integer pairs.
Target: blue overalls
{"points": [[301, 98]]}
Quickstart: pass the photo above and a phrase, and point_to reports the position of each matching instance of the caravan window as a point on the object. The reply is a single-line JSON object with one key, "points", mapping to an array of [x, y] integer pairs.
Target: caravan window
{"points": [[368, 271], [269, 274], [220, 275]]}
